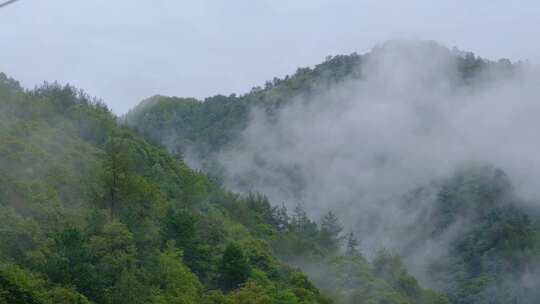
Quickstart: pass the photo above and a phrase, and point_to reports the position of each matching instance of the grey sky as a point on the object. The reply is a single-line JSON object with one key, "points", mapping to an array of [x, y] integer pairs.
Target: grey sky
{"points": [[124, 51]]}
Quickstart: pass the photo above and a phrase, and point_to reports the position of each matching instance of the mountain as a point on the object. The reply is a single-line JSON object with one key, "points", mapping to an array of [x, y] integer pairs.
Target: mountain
{"points": [[422, 151], [92, 212], [209, 125]]}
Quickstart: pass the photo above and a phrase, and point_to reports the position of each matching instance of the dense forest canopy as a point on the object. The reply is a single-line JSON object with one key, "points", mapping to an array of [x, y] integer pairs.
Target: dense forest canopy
{"points": [[277, 196], [91, 212], [409, 145]]}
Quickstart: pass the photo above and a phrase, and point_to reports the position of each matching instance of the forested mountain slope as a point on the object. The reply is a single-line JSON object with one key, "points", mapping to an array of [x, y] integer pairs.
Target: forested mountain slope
{"points": [[90, 212], [405, 144], [210, 124]]}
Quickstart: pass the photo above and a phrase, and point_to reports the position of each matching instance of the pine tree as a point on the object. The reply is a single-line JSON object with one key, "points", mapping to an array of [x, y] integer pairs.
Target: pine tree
{"points": [[114, 172], [302, 224], [329, 236], [282, 218], [234, 269], [352, 244]]}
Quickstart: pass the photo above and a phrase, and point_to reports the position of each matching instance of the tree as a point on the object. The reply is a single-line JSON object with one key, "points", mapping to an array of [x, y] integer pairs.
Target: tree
{"points": [[61, 295], [128, 289], [68, 260], [251, 294], [329, 236], [301, 223], [261, 205], [115, 169], [389, 267], [282, 218], [352, 244], [181, 226], [115, 252], [234, 268], [20, 286], [177, 283]]}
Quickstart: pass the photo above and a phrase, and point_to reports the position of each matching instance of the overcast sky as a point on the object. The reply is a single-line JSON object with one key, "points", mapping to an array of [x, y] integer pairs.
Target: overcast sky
{"points": [[126, 50]]}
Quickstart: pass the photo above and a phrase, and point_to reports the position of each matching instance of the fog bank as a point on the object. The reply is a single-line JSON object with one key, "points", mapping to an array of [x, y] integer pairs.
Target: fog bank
{"points": [[410, 120]]}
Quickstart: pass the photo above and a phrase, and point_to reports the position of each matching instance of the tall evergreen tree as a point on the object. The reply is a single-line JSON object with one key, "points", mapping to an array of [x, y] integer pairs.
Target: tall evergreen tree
{"points": [[329, 236], [301, 223], [352, 244], [234, 268], [115, 168]]}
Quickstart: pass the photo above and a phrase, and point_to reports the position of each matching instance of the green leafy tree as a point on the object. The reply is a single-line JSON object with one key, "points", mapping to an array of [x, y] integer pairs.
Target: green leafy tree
{"points": [[302, 225], [115, 253], [250, 294], [389, 267], [329, 235], [69, 260], [115, 171], [183, 226], [177, 284], [128, 289], [234, 268]]}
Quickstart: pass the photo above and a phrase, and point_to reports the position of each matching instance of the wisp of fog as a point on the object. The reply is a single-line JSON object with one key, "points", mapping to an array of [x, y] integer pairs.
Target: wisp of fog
{"points": [[408, 121]]}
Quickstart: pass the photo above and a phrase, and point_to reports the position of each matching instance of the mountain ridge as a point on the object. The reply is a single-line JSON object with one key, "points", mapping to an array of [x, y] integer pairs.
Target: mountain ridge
{"points": [[290, 141], [93, 213]]}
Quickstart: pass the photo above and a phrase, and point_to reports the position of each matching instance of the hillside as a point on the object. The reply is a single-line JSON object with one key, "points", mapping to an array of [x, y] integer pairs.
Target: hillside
{"points": [[408, 144], [91, 212], [210, 124]]}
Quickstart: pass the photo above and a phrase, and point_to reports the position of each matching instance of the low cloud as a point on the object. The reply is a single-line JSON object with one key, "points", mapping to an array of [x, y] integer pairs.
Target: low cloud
{"points": [[413, 118]]}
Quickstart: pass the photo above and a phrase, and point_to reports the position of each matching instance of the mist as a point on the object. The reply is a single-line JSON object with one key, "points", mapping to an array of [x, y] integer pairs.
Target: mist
{"points": [[202, 48], [408, 121]]}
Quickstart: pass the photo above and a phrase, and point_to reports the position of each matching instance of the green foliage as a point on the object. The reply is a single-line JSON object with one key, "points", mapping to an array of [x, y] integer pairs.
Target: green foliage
{"points": [[177, 283], [126, 289], [499, 243], [21, 286], [184, 227], [329, 235], [18, 286], [234, 268], [90, 212], [353, 279], [206, 127], [390, 268], [67, 260], [352, 245], [116, 243], [302, 225]]}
